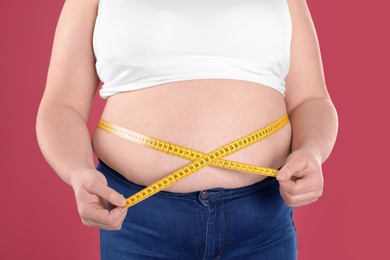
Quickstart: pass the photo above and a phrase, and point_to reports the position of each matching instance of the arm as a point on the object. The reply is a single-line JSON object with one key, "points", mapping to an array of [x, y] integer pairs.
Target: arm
{"points": [[61, 122], [312, 114]]}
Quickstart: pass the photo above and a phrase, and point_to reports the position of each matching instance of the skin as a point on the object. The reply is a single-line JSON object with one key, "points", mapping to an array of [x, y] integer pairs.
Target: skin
{"points": [[301, 147]]}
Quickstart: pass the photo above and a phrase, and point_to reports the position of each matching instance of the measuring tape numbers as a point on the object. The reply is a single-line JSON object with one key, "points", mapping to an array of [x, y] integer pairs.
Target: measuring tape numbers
{"points": [[199, 159]]}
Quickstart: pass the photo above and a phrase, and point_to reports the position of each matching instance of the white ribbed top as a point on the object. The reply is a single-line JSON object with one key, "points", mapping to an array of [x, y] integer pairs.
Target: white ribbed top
{"points": [[143, 43]]}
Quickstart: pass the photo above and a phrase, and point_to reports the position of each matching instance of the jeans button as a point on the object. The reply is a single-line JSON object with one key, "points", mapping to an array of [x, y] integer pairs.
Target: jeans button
{"points": [[205, 195]]}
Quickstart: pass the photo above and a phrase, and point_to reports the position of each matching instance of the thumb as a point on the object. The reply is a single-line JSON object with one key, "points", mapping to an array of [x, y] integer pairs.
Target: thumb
{"points": [[292, 170], [109, 194], [284, 174], [294, 164], [114, 198], [120, 201]]}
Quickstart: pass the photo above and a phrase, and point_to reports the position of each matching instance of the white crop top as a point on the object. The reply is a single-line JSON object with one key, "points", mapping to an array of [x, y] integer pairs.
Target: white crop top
{"points": [[143, 43]]}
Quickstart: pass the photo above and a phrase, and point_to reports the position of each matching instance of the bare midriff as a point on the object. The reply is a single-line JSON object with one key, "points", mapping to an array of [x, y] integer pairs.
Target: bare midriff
{"points": [[199, 114]]}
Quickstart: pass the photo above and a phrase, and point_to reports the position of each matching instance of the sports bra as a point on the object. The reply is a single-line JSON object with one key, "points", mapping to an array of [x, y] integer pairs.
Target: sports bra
{"points": [[143, 43]]}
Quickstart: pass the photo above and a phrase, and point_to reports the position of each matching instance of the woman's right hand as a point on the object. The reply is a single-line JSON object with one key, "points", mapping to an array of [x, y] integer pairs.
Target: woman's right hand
{"points": [[93, 195]]}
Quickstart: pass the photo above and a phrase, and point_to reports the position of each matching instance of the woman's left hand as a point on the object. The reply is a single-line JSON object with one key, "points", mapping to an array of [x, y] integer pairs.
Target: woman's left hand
{"points": [[301, 181]]}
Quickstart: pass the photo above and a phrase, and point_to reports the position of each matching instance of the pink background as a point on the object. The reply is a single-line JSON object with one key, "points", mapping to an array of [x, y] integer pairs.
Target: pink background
{"points": [[38, 216]]}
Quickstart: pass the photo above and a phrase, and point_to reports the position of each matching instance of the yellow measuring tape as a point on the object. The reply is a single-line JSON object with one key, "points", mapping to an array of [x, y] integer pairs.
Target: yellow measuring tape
{"points": [[199, 159]]}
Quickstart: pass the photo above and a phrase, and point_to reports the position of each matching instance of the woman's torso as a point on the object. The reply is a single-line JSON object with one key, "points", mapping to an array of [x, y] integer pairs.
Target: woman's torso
{"points": [[201, 115], [187, 50]]}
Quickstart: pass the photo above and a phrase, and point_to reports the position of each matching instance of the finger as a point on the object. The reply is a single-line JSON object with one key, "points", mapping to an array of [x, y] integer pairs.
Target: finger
{"points": [[295, 186], [96, 215], [102, 218], [300, 200], [118, 224], [300, 192]]}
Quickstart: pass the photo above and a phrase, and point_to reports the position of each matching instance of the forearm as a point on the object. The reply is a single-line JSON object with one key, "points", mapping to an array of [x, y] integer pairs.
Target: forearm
{"points": [[64, 140], [315, 126]]}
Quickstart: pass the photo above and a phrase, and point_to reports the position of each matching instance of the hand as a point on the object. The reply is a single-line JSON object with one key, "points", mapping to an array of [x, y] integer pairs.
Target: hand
{"points": [[92, 197], [301, 181]]}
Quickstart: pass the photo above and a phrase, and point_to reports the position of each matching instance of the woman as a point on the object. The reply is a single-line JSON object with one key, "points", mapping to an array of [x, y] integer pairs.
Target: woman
{"points": [[198, 74]]}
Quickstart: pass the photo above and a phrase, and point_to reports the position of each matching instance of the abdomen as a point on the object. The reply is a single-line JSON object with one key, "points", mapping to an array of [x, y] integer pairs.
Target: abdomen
{"points": [[198, 114]]}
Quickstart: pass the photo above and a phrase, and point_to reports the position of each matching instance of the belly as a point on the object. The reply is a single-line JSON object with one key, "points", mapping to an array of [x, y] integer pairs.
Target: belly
{"points": [[202, 115]]}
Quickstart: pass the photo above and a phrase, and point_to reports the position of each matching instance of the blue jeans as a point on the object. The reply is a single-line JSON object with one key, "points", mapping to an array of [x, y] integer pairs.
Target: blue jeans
{"points": [[248, 223]]}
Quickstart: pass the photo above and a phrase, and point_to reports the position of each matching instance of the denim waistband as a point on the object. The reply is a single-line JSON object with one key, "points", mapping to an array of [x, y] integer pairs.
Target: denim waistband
{"points": [[206, 196]]}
